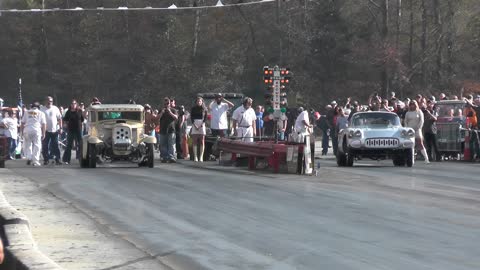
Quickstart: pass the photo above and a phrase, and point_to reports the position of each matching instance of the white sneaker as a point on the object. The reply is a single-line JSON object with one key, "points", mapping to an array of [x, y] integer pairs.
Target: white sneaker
{"points": [[36, 164], [427, 162]]}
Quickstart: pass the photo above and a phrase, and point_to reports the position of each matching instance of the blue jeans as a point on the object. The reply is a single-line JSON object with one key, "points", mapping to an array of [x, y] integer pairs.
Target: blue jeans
{"points": [[50, 146], [167, 146], [325, 141], [334, 143], [12, 145], [72, 135], [281, 135]]}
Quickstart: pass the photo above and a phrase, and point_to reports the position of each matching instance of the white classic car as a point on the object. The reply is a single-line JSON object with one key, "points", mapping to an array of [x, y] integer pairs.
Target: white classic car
{"points": [[376, 135]]}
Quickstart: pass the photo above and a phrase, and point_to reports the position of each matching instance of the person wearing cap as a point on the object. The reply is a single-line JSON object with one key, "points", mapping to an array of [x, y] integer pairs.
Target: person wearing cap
{"points": [[33, 129], [218, 111], [95, 101], [244, 118], [400, 110]]}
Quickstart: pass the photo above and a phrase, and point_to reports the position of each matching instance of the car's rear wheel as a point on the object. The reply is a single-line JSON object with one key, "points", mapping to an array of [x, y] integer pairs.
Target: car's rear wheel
{"points": [[92, 155], [341, 159], [409, 157], [83, 161], [150, 155]]}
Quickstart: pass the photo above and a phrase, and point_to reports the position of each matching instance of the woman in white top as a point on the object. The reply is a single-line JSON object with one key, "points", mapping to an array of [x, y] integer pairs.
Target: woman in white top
{"points": [[414, 119]]}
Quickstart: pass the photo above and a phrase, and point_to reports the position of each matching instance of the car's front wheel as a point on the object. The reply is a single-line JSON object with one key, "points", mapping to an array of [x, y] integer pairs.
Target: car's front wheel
{"points": [[409, 157], [398, 160], [92, 155]]}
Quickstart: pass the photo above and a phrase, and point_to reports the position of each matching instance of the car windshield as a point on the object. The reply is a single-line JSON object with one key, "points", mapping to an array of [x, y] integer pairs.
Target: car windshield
{"points": [[121, 115], [450, 111], [375, 120]]}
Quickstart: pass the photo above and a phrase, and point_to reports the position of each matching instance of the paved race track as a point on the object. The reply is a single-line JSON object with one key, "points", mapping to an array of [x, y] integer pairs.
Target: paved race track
{"points": [[372, 216]]}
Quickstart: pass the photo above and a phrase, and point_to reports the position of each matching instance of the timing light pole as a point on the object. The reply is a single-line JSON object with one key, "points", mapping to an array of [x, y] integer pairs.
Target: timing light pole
{"points": [[276, 78]]}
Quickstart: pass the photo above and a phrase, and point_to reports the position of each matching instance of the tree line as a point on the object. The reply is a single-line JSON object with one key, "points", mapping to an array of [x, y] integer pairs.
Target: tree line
{"points": [[335, 49]]}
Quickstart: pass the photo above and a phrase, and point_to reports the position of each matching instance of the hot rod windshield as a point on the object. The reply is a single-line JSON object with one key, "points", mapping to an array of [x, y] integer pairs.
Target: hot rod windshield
{"points": [[120, 115], [375, 120]]}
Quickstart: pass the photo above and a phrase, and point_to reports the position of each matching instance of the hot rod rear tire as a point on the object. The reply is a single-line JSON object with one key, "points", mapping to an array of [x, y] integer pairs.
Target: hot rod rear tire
{"points": [[150, 155]]}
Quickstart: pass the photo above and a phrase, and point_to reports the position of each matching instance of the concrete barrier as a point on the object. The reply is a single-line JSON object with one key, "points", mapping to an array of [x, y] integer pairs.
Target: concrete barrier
{"points": [[21, 252]]}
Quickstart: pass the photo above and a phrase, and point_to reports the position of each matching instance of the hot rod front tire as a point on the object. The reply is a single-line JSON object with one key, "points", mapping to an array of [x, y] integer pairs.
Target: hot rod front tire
{"points": [[83, 161], [92, 155]]}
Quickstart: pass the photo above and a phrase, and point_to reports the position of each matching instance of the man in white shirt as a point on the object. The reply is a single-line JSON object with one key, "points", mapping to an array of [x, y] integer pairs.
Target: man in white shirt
{"points": [[302, 123], [218, 110], [244, 118], [53, 118], [10, 125], [33, 130]]}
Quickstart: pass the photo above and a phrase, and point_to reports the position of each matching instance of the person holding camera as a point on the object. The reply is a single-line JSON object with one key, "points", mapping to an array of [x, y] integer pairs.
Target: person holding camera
{"points": [[430, 130], [168, 117], [375, 102]]}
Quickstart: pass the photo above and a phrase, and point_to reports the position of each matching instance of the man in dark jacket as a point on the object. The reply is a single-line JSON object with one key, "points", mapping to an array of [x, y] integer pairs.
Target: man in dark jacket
{"points": [[73, 119], [322, 124]]}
